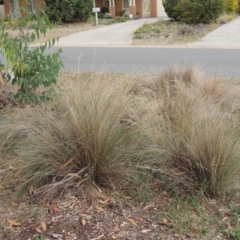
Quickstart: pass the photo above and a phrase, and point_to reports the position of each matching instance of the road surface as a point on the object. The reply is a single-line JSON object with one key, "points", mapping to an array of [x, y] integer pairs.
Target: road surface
{"points": [[217, 62]]}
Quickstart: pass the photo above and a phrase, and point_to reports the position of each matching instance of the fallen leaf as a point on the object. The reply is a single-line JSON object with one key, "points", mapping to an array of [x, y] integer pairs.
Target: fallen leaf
{"points": [[116, 226], [83, 222], [178, 173], [67, 162], [100, 209], [54, 207], [132, 221], [55, 235], [73, 175], [31, 190], [97, 238], [105, 201], [44, 226], [14, 204], [170, 194], [229, 226], [89, 217], [166, 222], [227, 215], [82, 181], [38, 230], [194, 230], [127, 197], [161, 202], [14, 223], [152, 205]]}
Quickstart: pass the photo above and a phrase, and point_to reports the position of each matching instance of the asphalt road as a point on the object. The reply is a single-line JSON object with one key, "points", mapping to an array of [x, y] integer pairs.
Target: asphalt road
{"points": [[217, 62]]}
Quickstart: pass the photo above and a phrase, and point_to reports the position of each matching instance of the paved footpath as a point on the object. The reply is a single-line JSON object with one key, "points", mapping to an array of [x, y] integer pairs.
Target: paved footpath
{"points": [[226, 36], [121, 34], [115, 35]]}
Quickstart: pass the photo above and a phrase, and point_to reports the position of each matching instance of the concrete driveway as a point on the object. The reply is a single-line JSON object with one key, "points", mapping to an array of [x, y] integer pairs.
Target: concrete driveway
{"points": [[111, 35], [226, 36], [121, 34]]}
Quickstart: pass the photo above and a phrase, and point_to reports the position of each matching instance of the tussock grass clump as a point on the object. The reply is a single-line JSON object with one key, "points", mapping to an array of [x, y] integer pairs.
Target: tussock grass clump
{"points": [[81, 136], [180, 126], [226, 17], [193, 127]]}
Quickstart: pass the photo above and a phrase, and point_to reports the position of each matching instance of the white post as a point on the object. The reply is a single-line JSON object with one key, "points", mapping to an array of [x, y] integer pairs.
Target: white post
{"points": [[96, 16]]}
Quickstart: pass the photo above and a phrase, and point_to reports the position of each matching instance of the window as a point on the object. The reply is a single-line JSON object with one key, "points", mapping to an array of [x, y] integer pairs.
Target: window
{"points": [[125, 4], [106, 3], [32, 6], [12, 5]]}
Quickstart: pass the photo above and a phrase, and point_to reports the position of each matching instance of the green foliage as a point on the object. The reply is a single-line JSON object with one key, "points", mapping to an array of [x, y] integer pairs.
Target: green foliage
{"points": [[193, 11], [30, 67], [83, 9], [68, 10], [122, 13], [230, 6], [169, 6], [145, 28], [198, 11]]}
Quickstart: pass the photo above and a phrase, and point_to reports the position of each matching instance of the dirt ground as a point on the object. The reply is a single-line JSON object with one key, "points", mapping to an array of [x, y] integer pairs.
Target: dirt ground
{"points": [[67, 29], [94, 215]]}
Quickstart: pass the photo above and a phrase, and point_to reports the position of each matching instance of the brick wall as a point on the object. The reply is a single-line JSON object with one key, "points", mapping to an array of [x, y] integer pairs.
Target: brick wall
{"points": [[112, 10], [153, 8], [139, 7], [22, 3], [7, 7], [119, 6], [99, 3], [132, 10], [40, 4]]}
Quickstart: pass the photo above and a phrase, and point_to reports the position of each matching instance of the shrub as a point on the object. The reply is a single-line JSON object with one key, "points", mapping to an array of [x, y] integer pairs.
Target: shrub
{"points": [[30, 67], [198, 11], [68, 10], [230, 6], [169, 6], [83, 9]]}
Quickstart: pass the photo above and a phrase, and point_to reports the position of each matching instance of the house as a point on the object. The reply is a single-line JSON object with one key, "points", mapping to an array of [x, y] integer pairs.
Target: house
{"points": [[12, 7], [143, 8], [2, 12]]}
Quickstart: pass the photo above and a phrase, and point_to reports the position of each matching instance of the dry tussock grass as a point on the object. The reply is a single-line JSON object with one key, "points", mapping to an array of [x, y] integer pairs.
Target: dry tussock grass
{"points": [[78, 137], [194, 127], [180, 126]]}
